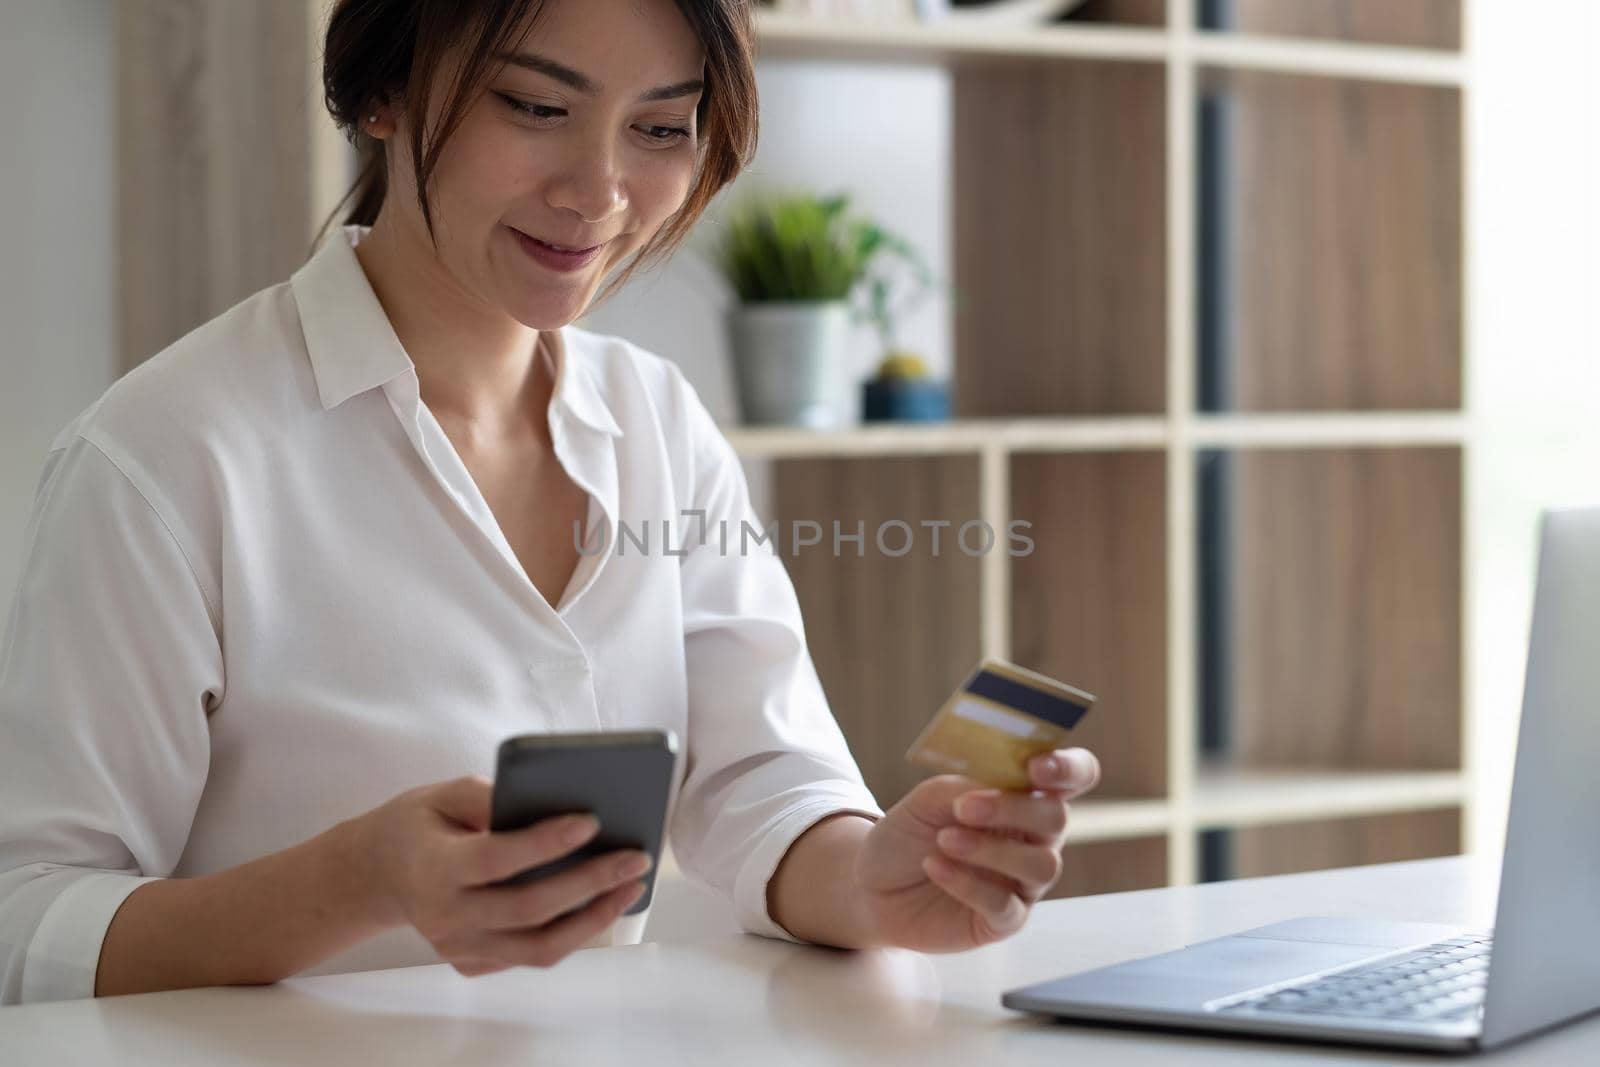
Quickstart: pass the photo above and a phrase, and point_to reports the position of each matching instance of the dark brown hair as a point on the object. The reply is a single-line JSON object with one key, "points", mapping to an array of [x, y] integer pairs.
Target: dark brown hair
{"points": [[388, 50]]}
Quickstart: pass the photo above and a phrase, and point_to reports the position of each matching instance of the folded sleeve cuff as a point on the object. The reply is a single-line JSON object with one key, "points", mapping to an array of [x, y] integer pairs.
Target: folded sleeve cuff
{"points": [[750, 887], [64, 952]]}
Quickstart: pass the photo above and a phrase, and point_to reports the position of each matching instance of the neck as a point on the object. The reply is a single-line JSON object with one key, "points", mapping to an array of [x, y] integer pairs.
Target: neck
{"points": [[477, 367]]}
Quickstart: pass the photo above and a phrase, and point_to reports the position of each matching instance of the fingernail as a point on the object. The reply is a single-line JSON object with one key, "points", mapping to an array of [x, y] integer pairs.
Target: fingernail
{"points": [[955, 839], [975, 807], [580, 829], [1051, 766], [632, 866]]}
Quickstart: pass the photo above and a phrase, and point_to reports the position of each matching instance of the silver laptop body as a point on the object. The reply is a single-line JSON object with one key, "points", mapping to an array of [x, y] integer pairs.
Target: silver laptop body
{"points": [[1356, 980]]}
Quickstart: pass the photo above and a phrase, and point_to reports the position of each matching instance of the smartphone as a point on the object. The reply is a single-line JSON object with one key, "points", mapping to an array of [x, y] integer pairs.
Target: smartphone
{"points": [[623, 778]]}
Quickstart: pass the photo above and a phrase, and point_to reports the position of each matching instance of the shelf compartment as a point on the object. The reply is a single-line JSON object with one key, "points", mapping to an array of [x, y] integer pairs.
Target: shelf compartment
{"points": [[1333, 623], [1060, 303], [1117, 13], [891, 636], [1227, 797], [1290, 848], [1433, 24], [1088, 606], [1111, 867], [1331, 222]]}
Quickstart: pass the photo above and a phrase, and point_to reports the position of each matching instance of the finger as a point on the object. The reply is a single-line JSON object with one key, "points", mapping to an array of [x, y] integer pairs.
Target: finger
{"points": [[999, 908], [550, 944], [1042, 817], [472, 968], [490, 857], [545, 899], [1034, 868], [464, 800], [1068, 771]]}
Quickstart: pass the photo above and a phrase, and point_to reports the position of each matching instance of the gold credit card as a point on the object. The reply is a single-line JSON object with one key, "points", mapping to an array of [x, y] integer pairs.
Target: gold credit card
{"points": [[999, 718]]}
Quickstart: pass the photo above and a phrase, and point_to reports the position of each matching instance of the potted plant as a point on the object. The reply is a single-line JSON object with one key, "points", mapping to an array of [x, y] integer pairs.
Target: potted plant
{"points": [[795, 261]]}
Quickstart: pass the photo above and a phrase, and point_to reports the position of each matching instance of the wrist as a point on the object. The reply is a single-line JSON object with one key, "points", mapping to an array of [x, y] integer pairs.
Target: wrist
{"points": [[359, 873], [869, 932], [817, 893]]}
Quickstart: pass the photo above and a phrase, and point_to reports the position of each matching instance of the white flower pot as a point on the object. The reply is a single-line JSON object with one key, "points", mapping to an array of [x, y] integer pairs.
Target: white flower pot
{"points": [[792, 363]]}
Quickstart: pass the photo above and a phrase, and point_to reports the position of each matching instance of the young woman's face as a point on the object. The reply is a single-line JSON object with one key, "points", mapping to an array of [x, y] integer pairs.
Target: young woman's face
{"points": [[587, 138]]}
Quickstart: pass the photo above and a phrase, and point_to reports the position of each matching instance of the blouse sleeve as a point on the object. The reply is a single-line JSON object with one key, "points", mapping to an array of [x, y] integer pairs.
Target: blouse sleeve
{"points": [[765, 758], [109, 663]]}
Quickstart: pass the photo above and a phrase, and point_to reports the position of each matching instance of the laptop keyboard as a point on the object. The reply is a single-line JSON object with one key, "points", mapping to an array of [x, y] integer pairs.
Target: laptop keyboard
{"points": [[1443, 982]]}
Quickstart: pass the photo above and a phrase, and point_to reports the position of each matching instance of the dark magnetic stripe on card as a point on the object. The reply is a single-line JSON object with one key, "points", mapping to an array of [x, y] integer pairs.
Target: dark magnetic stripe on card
{"points": [[1013, 694]]}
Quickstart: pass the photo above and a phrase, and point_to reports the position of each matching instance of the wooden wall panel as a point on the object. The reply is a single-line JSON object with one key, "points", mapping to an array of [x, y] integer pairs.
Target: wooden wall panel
{"points": [[1345, 220], [1348, 614], [1312, 846], [1111, 867], [1410, 23], [1089, 605], [1060, 210], [891, 636], [1121, 12], [222, 147]]}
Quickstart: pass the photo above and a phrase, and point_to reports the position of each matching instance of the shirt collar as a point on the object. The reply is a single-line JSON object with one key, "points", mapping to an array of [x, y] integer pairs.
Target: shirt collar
{"points": [[353, 346]]}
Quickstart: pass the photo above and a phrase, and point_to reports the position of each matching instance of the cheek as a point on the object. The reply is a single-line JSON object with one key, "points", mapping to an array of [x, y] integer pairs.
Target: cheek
{"points": [[662, 190], [482, 170]]}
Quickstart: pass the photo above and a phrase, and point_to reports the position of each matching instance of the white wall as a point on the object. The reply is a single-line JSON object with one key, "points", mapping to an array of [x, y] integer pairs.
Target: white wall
{"points": [[1534, 181], [56, 296]]}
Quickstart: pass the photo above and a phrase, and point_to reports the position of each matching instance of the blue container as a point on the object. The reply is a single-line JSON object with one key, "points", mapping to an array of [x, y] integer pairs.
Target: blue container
{"points": [[905, 400]]}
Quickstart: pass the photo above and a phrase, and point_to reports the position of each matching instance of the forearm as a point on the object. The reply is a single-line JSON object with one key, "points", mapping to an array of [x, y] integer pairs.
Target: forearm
{"points": [[251, 924], [813, 893]]}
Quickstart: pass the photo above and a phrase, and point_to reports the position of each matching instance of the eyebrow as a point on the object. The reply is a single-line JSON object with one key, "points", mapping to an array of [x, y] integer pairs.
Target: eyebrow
{"points": [[585, 84]]}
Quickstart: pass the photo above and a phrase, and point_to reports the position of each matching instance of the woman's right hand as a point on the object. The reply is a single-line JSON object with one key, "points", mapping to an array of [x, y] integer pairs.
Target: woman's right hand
{"points": [[431, 857]]}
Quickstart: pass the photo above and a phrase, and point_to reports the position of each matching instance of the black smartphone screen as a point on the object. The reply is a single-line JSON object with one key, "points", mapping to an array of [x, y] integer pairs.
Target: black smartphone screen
{"points": [[623, 778]]}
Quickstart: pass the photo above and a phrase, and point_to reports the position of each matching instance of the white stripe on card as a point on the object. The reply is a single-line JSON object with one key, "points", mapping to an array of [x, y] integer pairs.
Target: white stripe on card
{"points": [[1015, 725]]}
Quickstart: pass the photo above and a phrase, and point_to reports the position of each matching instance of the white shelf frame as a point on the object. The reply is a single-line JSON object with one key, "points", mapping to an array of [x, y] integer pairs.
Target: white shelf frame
{"points": [[1198, 798], [1104, 434], [786, 36]]}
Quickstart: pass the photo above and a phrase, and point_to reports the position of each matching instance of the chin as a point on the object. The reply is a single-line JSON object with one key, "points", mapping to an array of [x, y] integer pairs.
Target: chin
{"points": [[543, 316]]}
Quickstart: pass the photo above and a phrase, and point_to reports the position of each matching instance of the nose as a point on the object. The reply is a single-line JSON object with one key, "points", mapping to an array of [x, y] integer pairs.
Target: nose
{"points": [[590, 184]]}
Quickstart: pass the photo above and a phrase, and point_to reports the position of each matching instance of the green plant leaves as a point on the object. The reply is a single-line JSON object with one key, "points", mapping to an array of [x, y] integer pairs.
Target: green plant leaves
{"points": [[806, 247]]}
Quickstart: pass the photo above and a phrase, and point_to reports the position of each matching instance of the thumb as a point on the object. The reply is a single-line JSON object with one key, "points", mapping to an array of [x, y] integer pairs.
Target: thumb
{"points": [[467, 800]]}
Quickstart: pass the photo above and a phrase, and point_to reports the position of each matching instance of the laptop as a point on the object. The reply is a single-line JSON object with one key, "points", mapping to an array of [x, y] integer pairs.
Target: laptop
{"points": [[1411, 985]]}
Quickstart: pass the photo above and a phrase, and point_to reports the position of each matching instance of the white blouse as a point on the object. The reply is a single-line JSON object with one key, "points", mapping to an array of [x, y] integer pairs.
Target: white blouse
{"points": [[262, 594]]}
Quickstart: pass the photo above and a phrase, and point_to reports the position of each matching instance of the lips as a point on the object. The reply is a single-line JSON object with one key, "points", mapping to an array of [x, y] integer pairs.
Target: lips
{"points": [[561, 246], [550, 258]]}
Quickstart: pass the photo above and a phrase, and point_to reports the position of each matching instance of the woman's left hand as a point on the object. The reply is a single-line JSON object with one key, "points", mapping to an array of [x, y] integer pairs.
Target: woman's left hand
{"points": [[955, 864]]}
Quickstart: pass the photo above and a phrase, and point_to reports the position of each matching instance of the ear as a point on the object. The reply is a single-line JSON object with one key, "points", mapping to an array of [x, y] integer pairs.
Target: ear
{"points": [[378, 121]]}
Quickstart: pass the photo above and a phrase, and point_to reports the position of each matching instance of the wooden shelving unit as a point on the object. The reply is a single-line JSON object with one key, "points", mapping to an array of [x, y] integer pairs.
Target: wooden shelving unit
{"points": [[1235, 414]]}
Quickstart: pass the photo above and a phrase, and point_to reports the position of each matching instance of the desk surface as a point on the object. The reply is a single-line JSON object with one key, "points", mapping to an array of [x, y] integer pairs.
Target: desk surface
{"points": [[746, 999]]}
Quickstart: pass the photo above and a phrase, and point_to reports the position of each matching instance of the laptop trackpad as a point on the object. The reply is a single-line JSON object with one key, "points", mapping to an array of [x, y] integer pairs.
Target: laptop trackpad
{"points": [[1190, 977]]}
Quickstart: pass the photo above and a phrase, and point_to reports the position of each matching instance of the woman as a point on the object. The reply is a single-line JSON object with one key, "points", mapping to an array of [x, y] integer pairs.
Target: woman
{"points": [[290, 581]]}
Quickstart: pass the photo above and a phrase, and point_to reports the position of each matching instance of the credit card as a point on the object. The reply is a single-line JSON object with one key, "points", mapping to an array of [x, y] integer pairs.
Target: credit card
{"points": [[999, 718]]}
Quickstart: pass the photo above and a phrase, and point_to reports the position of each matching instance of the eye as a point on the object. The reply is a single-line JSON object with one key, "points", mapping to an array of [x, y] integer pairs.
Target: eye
{"points": [[533, 111], [667, 134], [660, 135]]}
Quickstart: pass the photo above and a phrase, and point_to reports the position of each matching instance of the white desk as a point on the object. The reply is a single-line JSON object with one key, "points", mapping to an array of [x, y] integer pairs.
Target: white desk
{"points": [[749, 1000]]}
